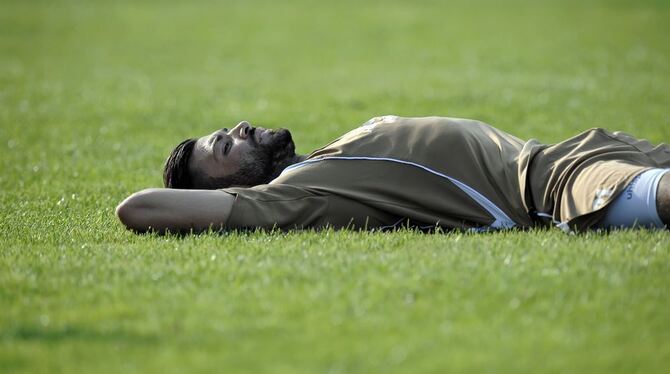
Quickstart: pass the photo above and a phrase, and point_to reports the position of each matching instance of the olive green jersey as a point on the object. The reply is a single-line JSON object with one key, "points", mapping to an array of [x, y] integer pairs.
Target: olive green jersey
{"points": [[437, 172]]}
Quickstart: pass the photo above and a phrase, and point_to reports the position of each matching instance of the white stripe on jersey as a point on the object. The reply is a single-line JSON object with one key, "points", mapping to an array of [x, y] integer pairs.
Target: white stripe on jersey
{"points": [[502, 221]]}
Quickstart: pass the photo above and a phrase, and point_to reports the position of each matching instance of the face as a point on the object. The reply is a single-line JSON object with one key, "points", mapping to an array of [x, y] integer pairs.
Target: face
{"points": [[242, 156]]}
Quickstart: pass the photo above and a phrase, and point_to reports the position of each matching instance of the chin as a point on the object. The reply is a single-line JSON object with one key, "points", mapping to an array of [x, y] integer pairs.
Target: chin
{"points": [[282, 140], [283, 134]]}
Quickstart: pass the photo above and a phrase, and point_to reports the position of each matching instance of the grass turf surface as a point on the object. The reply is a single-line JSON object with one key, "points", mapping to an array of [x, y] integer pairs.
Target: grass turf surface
{"points": [[93, 96]]}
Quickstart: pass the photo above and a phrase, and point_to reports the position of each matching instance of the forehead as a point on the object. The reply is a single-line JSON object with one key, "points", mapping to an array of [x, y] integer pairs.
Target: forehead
{"points": [[201, 142], [205, 163], [201, 151], [202, 160]]}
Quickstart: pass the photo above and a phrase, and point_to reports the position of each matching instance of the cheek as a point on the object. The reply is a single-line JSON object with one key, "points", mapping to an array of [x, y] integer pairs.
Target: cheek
{"points": [[211, 168], [242, 152], [232, 162]]}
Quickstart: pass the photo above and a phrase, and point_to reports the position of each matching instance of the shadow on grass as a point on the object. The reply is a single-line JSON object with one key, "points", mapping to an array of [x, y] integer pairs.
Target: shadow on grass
{"points": [[408, 228], [50, 335]]}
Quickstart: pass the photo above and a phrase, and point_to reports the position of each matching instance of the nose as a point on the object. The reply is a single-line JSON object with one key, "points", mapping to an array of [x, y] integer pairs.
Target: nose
{"points": [[242, 129]]}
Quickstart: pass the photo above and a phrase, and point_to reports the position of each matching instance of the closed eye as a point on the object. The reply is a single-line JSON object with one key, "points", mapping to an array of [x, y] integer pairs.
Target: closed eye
{"points": [[226, 148]]}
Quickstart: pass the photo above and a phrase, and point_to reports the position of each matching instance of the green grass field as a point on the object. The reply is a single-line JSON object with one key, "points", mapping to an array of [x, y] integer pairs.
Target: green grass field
{"points": [[93, 96]]}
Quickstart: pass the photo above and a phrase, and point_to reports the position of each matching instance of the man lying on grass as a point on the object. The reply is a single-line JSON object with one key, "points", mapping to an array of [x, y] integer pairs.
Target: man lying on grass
{"points": [[427, 173]]}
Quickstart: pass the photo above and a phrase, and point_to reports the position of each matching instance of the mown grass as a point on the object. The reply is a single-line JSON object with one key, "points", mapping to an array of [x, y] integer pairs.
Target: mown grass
{"points": [[94, 94]]}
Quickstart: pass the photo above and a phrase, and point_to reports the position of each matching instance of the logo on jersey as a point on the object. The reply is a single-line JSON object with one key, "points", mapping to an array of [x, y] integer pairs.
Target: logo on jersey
{"points": [[371, 124], [602, 196]]}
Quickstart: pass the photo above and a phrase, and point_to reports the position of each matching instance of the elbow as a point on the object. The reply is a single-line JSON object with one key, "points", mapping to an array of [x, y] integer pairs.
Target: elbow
{"points": [[125, 212], [134, 211]]}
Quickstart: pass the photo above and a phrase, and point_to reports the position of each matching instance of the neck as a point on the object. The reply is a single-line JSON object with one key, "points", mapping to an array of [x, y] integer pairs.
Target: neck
{"points": [[283, 164]]}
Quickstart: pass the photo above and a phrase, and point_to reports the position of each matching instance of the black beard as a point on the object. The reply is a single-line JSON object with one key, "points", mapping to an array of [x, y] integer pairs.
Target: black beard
{"points": [[266, 161], [283, 153]]}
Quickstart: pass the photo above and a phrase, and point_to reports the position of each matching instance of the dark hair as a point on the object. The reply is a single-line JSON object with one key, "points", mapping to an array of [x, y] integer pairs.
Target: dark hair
{"points": [[176, 174]]}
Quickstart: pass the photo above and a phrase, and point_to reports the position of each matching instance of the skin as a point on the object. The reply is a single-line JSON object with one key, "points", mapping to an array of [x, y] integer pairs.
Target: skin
{"points": [[663, 199], [220, 153], [173, 210]]}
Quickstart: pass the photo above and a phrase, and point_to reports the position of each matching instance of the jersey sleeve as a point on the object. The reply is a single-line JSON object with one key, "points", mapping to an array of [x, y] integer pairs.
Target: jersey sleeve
{"points": [[289, 207]]}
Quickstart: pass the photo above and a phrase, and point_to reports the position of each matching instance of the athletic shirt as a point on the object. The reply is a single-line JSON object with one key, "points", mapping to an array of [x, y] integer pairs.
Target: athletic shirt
{"points": [[422, 172], [437, 172]]}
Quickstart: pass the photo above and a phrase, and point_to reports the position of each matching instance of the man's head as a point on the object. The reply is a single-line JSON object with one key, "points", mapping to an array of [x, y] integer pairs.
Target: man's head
{"points": [[243, 156]]}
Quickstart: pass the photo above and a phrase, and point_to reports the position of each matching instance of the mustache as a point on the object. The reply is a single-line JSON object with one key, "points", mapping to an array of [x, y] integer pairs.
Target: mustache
{"points": [[252, 137]]}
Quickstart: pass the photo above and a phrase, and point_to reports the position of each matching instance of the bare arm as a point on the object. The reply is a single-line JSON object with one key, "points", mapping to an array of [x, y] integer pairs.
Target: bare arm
{"points": [[173, 210]]}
